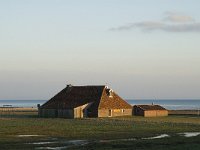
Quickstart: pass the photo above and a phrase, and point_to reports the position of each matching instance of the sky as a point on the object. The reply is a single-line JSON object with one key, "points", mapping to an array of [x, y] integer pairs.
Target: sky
{"points": [[141, 49]]}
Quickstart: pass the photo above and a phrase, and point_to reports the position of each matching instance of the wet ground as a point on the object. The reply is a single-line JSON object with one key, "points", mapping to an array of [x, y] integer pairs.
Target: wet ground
{"points": [[61, 144]]}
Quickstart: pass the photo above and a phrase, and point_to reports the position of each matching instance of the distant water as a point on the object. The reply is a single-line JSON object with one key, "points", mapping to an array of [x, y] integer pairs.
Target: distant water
{"points": [[22, 103], [168, 104]]}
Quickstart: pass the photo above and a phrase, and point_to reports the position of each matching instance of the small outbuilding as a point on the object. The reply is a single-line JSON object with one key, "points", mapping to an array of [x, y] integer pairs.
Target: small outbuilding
{"points": [[150, 110], [85, 101]]}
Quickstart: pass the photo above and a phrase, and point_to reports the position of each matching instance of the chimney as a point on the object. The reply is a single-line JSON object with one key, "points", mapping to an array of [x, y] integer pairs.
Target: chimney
{"points": [[69, 85], [109, 92]]}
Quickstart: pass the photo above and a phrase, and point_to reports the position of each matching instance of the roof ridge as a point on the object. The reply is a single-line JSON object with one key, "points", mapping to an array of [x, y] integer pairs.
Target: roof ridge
{"points": [[150, 107], [141, 107]]}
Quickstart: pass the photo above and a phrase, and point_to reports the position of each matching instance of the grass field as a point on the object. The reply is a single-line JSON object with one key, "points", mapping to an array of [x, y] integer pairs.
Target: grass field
{"points": [[26, 131]]}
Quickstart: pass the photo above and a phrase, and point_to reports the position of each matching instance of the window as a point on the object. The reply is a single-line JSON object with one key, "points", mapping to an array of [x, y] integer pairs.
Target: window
{"points": [[123, 110]]}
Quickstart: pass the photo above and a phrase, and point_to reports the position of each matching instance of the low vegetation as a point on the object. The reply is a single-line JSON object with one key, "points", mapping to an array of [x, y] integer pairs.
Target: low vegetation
{"points": [[28, 131]]}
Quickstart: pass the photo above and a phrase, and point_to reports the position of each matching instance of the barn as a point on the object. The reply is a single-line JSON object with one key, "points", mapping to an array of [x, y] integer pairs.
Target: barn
{"points": [[150, 110], [85, 101]]}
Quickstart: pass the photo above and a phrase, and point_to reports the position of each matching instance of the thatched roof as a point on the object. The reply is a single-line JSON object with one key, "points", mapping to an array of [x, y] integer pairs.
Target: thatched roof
{"points": [[150, 107], [75, 96]]}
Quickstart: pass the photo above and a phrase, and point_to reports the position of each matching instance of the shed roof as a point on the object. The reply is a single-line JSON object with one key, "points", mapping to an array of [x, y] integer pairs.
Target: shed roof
{"points": [[151, 107]]}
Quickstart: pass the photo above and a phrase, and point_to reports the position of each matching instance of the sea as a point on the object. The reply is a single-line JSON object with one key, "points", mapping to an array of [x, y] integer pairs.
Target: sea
{"points": [[175, 104]]}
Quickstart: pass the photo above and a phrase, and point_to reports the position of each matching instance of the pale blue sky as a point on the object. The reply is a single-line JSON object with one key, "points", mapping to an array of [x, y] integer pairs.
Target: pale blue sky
{"points": [[140, 48]]}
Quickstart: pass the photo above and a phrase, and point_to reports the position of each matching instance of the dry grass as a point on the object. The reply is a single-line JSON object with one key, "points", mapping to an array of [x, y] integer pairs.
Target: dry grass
{"points": [[17, 109]]}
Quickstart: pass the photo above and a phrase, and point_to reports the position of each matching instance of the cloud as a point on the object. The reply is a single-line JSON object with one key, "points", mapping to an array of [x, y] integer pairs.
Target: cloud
{"points": [[194, 27], [149, 25], [173, 22], [178, 18]]}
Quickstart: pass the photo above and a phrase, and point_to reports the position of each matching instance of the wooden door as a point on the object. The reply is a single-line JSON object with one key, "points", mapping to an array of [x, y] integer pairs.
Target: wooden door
{"points": [[110, 113]]}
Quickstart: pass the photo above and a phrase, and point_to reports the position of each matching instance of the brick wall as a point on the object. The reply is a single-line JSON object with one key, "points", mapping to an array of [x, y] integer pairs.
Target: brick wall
{"points": [[149, 113], [155, 113], [114, 112]]}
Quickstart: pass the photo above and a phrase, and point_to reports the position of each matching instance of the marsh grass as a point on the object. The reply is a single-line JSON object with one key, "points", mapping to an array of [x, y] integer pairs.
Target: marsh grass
{"points": [[95, 129]]}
